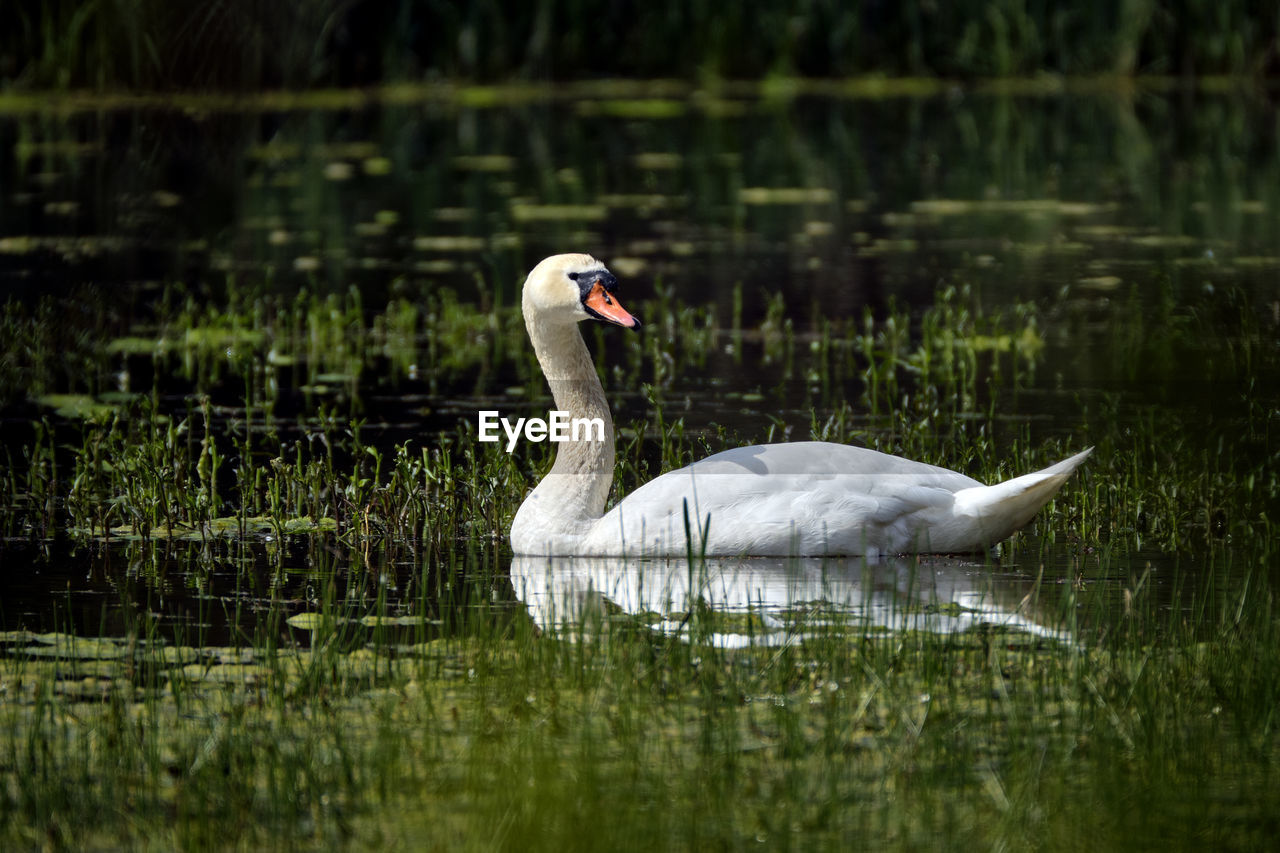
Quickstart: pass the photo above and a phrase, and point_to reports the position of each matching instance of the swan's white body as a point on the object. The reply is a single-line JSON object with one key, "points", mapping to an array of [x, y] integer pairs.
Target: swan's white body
{"points": [[797, 499]]}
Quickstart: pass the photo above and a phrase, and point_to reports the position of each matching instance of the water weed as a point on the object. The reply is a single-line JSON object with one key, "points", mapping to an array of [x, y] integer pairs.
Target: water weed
{"points": [[257, 584], [292, 453], [365, 728]]}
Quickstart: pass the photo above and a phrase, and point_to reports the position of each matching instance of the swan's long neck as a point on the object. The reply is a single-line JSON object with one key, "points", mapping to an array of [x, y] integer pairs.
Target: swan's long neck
{"points": [[573, 493], [577, 391]]}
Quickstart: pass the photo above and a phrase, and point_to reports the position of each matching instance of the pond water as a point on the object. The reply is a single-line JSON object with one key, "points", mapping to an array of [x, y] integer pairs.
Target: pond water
{"points": [[1125, 244], [255, 581]]}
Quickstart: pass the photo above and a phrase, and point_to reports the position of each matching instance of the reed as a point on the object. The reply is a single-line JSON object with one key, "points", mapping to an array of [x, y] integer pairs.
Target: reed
{"points": [[291, 456], [387, 685], [240, 45], [498, 734]]}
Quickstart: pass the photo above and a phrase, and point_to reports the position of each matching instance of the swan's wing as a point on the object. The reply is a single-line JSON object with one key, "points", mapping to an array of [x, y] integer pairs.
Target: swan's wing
{"points": [[780, 499], [821, 458]]}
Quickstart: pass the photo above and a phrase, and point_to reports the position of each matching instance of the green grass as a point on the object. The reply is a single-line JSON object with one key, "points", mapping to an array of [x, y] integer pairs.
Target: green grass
{"points": [[355, 664], [290, 455], [609, 734], [349, 707]]}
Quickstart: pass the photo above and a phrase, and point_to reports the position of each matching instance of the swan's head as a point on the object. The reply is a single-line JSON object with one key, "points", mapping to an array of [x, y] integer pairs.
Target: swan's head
{"points": [[569, 288]]}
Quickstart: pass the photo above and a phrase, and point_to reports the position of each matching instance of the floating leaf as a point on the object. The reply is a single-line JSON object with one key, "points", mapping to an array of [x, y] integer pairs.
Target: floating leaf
{"points": [[524, 212], [82, 648], [226, 673], [785, 195], [396, 621], [77, 406], [449, 244], [484, 163], [133, 345], [1100, 282], [309, 621], [173, 655]]}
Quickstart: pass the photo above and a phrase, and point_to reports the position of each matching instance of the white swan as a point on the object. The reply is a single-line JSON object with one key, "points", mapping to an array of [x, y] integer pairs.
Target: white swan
{"points": [[800, 499]]}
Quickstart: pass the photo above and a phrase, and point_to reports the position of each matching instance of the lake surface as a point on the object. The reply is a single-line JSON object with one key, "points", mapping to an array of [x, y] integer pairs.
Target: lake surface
{"points": [[1126, 240], [255, 585]]}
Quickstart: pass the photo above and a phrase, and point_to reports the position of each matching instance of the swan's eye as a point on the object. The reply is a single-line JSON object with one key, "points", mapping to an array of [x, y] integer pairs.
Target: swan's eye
{"points": [[573, 276]]}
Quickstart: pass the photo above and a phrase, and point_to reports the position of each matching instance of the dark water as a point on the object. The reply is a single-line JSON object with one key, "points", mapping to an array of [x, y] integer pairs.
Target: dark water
{"points": [[815, 198], [1145, 225]]}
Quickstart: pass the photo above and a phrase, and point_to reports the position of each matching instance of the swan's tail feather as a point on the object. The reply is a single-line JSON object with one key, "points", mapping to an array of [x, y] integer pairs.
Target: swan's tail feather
{"points": [[1003, 508]]}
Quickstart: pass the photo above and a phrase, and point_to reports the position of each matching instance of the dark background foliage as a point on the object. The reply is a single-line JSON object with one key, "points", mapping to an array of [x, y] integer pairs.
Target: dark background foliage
{"points": [[250, 44]]}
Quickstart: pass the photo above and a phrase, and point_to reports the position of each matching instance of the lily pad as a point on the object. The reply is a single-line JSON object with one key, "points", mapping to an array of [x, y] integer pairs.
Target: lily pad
{"points": [[785, 195], [226, 673], [524, 212], [396, 621], [77, 406], [309, 621], [173, 655], [133, 345], [425, 243], [76, 648]]}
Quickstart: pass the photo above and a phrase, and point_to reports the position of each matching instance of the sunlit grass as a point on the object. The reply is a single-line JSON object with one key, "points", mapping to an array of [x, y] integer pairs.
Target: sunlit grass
{"points": [[344, 705], [289, 454], [502, 735], [301, 626]]}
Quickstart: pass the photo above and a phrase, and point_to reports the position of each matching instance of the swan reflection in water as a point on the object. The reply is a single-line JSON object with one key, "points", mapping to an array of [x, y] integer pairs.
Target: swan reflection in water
{"points": [[771, 601]]}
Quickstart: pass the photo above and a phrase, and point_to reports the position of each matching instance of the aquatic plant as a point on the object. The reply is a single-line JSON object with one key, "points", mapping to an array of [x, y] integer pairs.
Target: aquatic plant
{"points": [[254, 566], [350, 722], [142, 44], [390, 683], [936, 387]]}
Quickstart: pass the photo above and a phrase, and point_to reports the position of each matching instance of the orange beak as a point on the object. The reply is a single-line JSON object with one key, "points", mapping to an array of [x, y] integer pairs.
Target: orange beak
{"points": [[605, 307]]}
